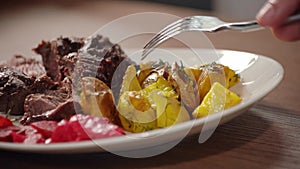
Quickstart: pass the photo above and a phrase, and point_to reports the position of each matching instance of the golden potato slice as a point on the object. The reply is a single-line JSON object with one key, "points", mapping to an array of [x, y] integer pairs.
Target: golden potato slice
{"points": [[217, 99], [162, 85], [145, 70], [130, 81], [136, 113], [215, 73], [193, 72], [231, 77], [96, 99], [154, 107], [173, 113]]}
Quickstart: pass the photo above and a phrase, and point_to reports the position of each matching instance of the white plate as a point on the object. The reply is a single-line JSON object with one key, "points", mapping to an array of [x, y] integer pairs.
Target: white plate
{"points": [[260, 75]]}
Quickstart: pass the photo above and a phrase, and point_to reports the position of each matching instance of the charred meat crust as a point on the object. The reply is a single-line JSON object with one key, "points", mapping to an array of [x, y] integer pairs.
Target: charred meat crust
{"points": [[52, 53], [15, 86]]}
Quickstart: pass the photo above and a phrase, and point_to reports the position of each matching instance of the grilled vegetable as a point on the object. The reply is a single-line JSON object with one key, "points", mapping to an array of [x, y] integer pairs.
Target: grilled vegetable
{"points": [[136, 113], [142, 111], [155, 106], [215, 73], [217, 99], [130, 81], [96, 99]]}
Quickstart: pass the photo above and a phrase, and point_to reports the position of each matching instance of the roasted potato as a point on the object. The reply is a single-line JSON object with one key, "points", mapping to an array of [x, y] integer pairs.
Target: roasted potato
{"points": [[217, 99], [155, 106], [96, 99], [136, 113], [130, 81], [215, 73]]}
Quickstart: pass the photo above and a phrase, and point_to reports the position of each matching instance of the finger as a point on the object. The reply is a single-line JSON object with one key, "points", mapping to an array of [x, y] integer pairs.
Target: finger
{"points": [[274, 12], [290, 32]]}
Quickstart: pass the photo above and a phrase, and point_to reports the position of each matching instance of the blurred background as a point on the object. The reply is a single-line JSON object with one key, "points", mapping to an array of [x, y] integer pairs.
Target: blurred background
{"points": [[24, 23], [230, 8], [242, 9]]}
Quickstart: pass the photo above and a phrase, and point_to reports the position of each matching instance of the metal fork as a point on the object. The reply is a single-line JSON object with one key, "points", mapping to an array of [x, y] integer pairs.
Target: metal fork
{"points": [[200, 23]]}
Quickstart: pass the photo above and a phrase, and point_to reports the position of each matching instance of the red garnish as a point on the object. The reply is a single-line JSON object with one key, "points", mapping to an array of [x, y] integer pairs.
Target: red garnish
{"points": [[46, 128], [82, 127], [5, 122], [78, 128], [5, 133]]}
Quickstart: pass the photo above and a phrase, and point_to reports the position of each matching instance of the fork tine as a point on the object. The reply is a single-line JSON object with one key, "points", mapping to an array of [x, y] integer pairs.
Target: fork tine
{"points": [[160, 40], [169, 28], [168, 32], [166, 29], [158, 36]]}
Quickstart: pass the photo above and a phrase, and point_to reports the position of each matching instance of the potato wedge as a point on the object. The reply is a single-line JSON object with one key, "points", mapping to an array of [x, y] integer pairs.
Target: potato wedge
{"points": [[96, 99], [130, 81], [156, 106], [215, 73], [136, 113], [217, 99]]}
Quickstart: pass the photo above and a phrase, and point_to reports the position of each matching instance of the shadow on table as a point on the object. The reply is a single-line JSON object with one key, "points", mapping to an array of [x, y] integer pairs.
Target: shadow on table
{"points": [[234, 134]]}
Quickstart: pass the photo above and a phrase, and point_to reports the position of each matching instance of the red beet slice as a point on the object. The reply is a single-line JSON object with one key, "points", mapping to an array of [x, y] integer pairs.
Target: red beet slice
{"points": [[46, 128], [6, 133], [5, 122], [28, 135], [97, 127], [34, 139], [18, 138], [63, 133], [83, 127]]}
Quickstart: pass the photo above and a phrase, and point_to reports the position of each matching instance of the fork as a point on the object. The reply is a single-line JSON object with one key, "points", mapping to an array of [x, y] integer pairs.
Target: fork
{"points": [[200, 23]]}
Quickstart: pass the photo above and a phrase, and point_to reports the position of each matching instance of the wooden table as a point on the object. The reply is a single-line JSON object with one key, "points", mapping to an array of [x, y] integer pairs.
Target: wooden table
{"points": [[266, 136]]}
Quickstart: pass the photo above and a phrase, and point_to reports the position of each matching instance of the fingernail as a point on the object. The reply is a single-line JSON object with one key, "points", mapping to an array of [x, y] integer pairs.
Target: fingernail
{"points": [[265, 14]]}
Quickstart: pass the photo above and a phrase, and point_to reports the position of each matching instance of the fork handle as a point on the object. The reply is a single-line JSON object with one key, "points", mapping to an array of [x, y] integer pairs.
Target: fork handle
{"points": [[251, 25], [242, 26]]}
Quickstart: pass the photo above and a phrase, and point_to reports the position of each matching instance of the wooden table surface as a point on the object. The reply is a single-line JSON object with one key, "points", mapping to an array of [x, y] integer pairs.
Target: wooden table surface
{"points": [[266, 136]]}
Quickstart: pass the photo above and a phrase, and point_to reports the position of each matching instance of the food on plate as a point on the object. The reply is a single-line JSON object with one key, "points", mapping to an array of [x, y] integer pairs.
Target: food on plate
{"points": [[59, 56], [154, 106], [185, 86], [16, 85], [52, 87], [161, 95], [29, 66], [96, 99], [207, 74], [84, 127], [100, 58], [77, 128], [216, 100], [74, 94], [24, 85]]}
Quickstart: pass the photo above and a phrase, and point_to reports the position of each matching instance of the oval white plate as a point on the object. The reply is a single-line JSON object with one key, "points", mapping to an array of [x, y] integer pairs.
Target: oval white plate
{"points": [[260, 75]]}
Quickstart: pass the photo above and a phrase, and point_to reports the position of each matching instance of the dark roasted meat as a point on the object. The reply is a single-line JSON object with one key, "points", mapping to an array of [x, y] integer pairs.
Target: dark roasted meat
{"points": [[15, 86], [100, 58], [43, 90], [28, 66], [41, 102], [52, 53], [50, 106], [53, 104]]}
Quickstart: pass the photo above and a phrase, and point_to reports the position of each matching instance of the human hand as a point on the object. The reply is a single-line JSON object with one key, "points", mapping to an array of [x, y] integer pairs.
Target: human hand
{"points": [[274, 13]]}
